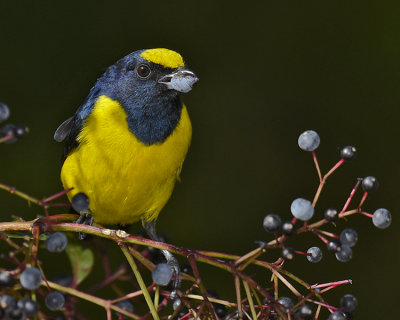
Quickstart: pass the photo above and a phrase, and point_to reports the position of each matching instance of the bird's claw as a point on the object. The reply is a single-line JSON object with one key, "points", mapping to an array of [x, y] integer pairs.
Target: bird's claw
{"points": [[85, 218]]}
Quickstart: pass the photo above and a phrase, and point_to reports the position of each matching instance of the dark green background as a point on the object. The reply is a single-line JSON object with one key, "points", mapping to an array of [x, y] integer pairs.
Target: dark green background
{"points": [[268, 71]]}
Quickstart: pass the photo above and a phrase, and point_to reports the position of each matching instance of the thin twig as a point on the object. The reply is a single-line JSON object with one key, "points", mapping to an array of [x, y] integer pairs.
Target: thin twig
{"points": [[192, 261], [140, 281], [250, 299]]}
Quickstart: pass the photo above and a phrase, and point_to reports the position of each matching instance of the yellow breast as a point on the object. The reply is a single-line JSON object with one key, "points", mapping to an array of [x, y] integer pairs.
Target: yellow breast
{"points": [[124, 179]]}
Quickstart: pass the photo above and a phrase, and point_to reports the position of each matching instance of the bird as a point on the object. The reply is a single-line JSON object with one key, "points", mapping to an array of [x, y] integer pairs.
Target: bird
{"points": [[125, 146]]}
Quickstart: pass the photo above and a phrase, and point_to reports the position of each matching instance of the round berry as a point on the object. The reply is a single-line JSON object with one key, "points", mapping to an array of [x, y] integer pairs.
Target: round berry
{"points": [[15, 314], [370, 184], [333, 246], [288, 253], [348, 153], [286, 302], [382, 218], [31, 278], [331, 214], [162, 274], [6, 279], [4, 112], [349, 237], [125, 305], [272, 223], [308, 140], [8, 130], [28, 306], [337, 315], [288, 228], [54, 300], [7, 302], [348, 302], [56, 242], [344, 254], [302, 209], [316, 254], [80, 202], [20, 130], [305, 312]]}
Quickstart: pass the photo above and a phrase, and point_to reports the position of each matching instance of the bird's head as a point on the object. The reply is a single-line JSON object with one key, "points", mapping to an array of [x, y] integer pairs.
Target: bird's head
{"points": [[150, 75]]}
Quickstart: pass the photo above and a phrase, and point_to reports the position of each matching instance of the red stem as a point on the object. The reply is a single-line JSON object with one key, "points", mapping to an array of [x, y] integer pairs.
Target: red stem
{"points": [[351, 195]]}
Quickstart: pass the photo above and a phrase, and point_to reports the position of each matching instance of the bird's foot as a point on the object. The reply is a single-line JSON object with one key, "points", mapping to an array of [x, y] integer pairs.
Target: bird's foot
{"points": [[176, 282], [86, 219]]}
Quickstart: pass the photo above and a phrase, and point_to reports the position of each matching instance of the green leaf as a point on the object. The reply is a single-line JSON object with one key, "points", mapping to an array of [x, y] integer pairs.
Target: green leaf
{"points": [[81, 261]]}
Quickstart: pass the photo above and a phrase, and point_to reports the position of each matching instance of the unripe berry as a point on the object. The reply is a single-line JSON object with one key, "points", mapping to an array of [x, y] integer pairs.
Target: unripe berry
{"points": [[272, 223], [333, 246], [286, 302], [348, 153], [337, 315], [28, 306], [370, 184], [6, 279], [304, 312], [348, 237], [344, 254], [7, 130], [287, 228], [20, 130], [348, 302], [288, 253], [331, 214], [7, 302]]}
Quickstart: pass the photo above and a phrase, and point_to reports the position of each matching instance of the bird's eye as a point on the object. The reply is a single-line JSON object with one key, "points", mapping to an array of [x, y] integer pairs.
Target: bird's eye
{"points": [[143, 71]]}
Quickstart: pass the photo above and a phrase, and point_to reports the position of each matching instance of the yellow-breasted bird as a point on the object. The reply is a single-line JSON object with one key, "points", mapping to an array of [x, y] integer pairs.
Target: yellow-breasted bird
{"points": [[125, 145]]}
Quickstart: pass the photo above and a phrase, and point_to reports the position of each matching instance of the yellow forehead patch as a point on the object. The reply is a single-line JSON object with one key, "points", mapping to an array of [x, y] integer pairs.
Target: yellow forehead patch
{"points": [[167, 58]]}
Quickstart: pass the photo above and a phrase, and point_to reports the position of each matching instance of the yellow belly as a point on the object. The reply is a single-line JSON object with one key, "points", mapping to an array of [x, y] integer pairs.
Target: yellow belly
{"points": [[124, 179]]}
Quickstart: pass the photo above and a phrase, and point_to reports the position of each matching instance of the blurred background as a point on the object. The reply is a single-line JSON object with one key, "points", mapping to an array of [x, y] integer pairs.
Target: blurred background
{"points": [[268, 71]]}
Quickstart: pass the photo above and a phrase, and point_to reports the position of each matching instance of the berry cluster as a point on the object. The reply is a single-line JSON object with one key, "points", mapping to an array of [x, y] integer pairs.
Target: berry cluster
{"points": [[10, 132], [31, 279], [304, 210], [21, 309], [26, 293]]}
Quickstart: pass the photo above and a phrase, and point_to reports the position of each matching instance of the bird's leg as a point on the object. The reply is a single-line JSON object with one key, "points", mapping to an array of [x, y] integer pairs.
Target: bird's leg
{"points": [[86, 219], [150, 228]]}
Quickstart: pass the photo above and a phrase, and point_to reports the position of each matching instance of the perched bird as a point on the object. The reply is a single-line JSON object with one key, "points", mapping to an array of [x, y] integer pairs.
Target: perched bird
{"points": [[125, 145]]}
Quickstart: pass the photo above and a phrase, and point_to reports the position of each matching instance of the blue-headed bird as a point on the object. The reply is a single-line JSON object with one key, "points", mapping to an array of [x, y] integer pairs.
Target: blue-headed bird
{"points": [[125, 145]]}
